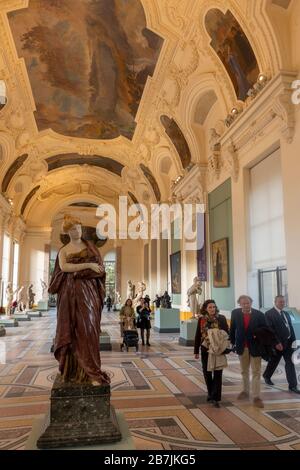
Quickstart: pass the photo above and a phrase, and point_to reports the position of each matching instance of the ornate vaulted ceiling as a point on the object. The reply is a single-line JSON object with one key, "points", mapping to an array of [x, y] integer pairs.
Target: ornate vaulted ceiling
{"points": [[136, 84]]}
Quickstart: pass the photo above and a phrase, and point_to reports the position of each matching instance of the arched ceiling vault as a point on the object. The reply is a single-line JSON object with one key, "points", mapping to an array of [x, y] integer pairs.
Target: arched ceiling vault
{"points": [[172, 65]]}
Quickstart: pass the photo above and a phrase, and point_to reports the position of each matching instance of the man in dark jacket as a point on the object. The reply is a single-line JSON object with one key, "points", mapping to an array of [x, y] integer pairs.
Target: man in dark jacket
{"points": [[280, 323], [244, 322]]}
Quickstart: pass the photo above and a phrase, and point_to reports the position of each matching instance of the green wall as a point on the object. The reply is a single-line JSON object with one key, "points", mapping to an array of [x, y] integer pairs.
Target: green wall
{"points": [[220, 226]]}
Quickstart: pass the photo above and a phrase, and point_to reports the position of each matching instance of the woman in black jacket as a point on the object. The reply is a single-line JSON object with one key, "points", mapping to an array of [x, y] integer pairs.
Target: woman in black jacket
{"points": [[210, 318], [143, 321]]}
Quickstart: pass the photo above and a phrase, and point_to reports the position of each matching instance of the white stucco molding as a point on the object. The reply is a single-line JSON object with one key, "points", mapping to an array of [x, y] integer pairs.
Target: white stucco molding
{"points": [[272, 105], [192, 187]]}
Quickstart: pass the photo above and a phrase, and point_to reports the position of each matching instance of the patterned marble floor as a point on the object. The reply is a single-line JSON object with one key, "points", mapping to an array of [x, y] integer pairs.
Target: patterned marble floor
{"points": [[160, 391]]}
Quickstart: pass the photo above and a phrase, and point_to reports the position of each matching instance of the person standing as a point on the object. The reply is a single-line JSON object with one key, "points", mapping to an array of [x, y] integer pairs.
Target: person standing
{"points": [[108, 303], [280, 323], [210, 320], [244, 321], [127, 318], [143, 322]]}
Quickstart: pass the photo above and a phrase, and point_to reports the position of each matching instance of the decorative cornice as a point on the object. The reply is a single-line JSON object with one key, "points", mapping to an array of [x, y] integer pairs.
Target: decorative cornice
{"points": [[273, 102]]}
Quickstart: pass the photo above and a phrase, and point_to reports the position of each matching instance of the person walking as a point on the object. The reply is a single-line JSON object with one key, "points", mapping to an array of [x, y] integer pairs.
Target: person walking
{"points": [[143, 321], [213, 339], [244, 321], [280, 323]]}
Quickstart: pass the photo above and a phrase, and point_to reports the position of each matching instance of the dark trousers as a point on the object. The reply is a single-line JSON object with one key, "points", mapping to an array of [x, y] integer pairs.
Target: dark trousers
{"points": [[289, 366], [213, 379], [143, 335]]}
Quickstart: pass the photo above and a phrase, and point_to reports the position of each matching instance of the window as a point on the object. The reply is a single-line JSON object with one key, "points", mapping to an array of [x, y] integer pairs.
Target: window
{"points": [[110, 268], [16, 265], [272, 282], [267, 237], [5, 264]]}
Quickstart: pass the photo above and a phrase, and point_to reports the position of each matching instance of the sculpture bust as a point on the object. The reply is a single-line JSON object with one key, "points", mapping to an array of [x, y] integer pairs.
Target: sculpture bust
{"points": [[193, 296]]}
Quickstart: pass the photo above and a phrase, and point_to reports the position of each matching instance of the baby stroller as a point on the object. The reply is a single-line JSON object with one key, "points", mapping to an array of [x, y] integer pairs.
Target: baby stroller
{"points": [[130, 335]]}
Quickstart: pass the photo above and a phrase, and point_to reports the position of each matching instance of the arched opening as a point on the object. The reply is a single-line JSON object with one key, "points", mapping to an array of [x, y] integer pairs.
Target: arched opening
{"points": [[110, 268]]}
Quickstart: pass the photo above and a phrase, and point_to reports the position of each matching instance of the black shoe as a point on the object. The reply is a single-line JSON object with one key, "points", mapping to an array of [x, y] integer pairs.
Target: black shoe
{"points": [[216, 404], [148, 344], [143, 343], [209, 399], [294, 390], [268, 381]]}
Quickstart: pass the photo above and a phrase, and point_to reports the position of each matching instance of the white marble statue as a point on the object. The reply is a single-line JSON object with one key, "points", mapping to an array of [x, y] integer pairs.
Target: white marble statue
{"points": [[214, 140], [117, 298], [10, 293], [20, 301], [44, 289], [30, 297], [141, 287], [194, 293], [130, 290]]}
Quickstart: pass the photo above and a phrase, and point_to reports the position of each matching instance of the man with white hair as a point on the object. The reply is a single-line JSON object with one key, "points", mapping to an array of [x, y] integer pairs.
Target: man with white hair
{"points": [[244, 321], [280, 323]]}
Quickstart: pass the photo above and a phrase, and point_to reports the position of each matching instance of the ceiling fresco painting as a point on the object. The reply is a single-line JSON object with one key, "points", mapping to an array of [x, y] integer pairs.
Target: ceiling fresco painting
{"points": [[12, 170], [59, 161], [233, 48], [153, 183], [87, 62], [177, 138], [28, 198]]}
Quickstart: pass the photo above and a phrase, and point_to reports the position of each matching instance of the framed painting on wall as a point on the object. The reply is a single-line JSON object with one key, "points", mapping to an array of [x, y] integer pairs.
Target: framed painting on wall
{"points": [[175, 260], [220, 263]]}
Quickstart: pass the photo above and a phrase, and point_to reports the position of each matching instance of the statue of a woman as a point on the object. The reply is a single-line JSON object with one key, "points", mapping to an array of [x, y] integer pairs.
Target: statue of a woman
{"points": [[193, 296], [30, 297], [79, 282], [10, 293]]}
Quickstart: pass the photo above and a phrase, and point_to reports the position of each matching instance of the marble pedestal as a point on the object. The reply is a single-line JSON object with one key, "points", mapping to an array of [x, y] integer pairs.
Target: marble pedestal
{"points": [[167, 320], [43, 305], [187, 332], [104, 342], [21, 317], [126, 442], [2, 331], [8, 322], [80, 415], [34, 313]]}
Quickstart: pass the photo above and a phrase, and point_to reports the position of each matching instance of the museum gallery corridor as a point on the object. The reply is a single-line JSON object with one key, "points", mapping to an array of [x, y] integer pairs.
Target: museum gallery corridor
{"points": [[159, 390]]}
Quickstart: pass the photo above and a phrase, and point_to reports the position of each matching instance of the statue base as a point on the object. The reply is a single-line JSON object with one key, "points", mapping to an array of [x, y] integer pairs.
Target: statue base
{"points": [[43, 305], [8, 322], [34, 313], [167, 320], [187, 332], [104, 341], [2, 331], [80, 415], [21, 317]]}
